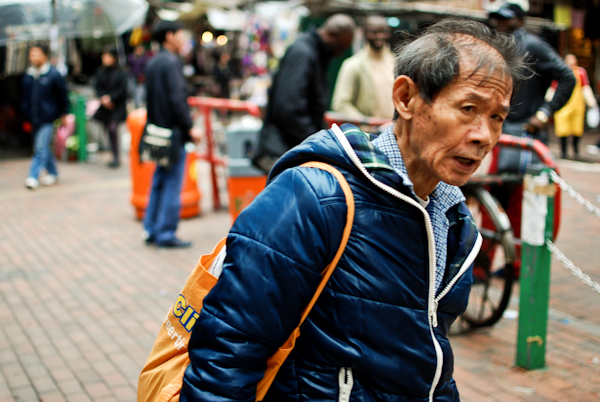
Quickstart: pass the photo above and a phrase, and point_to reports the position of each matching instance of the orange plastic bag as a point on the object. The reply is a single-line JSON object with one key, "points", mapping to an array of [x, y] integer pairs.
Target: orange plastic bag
{"points": [[161, 378]]}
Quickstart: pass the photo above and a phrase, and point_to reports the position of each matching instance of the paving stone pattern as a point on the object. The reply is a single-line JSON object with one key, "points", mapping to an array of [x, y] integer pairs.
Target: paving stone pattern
{"points": [[82, 298]]}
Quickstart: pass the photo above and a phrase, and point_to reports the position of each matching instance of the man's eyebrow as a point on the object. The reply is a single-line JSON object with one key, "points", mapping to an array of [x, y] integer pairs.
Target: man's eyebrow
{"points": [[477, 97], [480, 98]]}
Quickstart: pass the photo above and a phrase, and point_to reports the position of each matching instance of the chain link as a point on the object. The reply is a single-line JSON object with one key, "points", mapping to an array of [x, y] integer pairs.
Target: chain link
{"points": [[578, 197], [576, 271]]}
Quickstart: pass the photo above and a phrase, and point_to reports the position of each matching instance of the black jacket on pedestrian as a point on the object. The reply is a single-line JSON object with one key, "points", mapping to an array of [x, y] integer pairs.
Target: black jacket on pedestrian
{"points": [[112, 81], [44, 95], [166, 94], [300, 94], [548, 66]]}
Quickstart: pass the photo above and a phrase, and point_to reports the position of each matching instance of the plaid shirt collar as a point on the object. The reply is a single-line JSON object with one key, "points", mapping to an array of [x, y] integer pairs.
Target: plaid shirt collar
{"points": [[372, 158]]}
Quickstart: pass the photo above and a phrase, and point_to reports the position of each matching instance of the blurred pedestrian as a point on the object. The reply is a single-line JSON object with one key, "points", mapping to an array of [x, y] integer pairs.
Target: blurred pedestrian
{"points": [[364, 83], [44, 100], [168, 109], [569, 121], [530, 109], [223, 74], [299, 96], [111, 88], [137, 67]]}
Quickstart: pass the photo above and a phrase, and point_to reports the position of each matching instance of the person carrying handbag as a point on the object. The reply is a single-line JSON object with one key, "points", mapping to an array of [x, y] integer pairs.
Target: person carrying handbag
{"points": [[569, 121], [168, 112]]}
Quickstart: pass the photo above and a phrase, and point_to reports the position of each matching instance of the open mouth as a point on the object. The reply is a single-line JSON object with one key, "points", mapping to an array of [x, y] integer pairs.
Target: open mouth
{"points": [[465, 161]]}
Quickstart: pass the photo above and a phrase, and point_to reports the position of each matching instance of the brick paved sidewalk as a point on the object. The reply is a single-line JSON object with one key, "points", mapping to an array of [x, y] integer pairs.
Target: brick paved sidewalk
{"points": [[81, 297]]}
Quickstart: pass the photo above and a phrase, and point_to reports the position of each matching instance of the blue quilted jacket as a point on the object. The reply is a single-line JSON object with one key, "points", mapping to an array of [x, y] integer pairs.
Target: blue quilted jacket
{"points": [[44, 99], [378, 331]]}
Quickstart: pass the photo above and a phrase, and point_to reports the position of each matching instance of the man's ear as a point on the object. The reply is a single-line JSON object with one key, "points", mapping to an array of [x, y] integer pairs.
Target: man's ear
{"points": [[405, 94]]}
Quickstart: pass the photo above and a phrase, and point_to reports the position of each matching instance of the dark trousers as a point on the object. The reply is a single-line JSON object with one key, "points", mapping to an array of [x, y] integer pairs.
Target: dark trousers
{"points": [[162, 213], [113, 137], [563, 145]]}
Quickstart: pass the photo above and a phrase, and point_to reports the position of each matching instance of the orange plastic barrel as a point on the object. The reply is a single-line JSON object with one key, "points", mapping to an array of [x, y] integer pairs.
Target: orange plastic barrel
{"points": [[141, 173], [242, 190]]}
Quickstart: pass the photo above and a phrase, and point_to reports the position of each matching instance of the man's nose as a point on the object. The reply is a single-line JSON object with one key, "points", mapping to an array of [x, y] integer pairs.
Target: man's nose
{"points": [[482, 133]]}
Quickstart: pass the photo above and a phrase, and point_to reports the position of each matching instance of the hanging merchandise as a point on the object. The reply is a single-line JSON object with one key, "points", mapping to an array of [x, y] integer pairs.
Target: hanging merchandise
{"points": [[271, 28], [136, 37]]}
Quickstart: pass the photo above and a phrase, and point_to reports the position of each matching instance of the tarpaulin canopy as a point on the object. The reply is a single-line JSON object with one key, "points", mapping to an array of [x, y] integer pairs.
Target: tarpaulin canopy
{"points": [[22, 20]]}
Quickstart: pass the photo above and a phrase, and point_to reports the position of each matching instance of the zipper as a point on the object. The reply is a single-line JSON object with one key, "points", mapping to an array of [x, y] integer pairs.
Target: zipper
{"points": [[431, 301], [434, 305], [346, 382], [463, 268], [433, 313]]}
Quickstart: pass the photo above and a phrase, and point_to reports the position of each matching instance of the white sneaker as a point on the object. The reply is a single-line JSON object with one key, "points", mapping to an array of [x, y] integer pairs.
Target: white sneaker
{"points": [[592, 150], [31, 183], [49, 180]]}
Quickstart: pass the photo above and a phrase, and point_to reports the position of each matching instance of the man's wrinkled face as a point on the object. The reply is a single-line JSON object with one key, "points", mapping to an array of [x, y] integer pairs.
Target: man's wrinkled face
{"points": [[452, 134]]}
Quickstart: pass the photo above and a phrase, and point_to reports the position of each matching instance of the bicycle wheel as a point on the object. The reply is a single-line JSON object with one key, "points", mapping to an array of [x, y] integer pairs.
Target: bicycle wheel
{"points": [[493, 272]]}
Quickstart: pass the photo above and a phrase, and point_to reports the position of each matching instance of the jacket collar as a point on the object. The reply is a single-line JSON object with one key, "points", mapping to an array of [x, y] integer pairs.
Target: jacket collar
{"points": [[324, 146], [372, 158], [37, 72]]}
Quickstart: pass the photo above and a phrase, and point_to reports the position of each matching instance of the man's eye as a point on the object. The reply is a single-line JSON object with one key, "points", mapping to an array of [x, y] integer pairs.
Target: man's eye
{"points": [[468, 108], [498, 118]]}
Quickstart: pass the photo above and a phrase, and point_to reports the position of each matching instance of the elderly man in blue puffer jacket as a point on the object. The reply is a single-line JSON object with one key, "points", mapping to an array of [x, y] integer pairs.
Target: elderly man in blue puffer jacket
{"points": [[378, 330]]}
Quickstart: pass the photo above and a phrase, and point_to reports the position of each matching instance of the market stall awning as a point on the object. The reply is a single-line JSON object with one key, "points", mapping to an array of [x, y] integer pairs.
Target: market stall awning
{"points": [[22, 20]]}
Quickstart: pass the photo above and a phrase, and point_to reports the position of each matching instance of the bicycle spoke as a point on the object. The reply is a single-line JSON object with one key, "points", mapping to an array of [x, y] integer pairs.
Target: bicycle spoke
{"points": [[485, 293]]}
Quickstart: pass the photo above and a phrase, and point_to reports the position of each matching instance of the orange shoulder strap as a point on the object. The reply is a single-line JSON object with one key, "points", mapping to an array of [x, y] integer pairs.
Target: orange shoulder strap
{"points": [[276, 361], [345, 236]]}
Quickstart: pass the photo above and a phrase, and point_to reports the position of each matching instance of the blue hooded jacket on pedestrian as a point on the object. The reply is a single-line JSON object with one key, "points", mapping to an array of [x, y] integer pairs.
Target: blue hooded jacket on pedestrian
{"points": [[44, 97], [378, 330]]}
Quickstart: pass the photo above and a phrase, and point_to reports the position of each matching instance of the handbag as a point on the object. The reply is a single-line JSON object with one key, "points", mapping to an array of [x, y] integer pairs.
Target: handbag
{"points": [[159, 145], [161, 378], [270, 147], [592, 117]]}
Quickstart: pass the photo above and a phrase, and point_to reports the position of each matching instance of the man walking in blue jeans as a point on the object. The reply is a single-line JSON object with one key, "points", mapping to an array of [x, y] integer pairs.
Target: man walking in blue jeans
{"points": [[44, 100], [168, 108]]}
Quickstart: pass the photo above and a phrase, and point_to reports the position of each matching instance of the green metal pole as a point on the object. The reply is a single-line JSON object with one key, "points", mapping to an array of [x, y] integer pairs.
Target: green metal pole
{"points": [[536, 226], [80, 127]]}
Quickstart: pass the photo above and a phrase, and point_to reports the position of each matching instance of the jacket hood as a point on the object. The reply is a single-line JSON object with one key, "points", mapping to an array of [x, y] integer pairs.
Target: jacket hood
{"points": [[326, 147]]}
